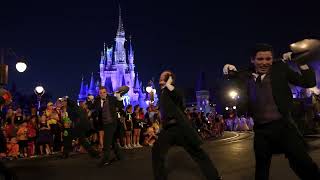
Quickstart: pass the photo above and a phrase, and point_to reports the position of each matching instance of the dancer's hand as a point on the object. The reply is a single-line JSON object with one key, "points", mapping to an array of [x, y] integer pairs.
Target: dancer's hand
{"points": [[169, 84], [286, 56]]}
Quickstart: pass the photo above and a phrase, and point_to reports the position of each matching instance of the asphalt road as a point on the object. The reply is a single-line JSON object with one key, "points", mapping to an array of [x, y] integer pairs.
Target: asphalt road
{"points": [[233, 157]]}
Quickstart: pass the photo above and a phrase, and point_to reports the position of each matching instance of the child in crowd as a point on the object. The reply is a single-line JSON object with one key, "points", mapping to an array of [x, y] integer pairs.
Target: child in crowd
{"points": [[150, 136], [13, 148], [23, 139], [32, 133], [66, 137], [128, 127], [137, 126]]}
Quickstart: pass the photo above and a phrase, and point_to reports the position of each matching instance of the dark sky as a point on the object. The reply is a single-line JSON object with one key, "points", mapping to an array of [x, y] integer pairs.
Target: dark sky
{"points": [[62, 41]]}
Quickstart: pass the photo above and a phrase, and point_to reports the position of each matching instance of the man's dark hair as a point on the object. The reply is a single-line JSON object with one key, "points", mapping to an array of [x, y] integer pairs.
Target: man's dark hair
{"points": [[260, 47], [136, 107], [129, 106]]}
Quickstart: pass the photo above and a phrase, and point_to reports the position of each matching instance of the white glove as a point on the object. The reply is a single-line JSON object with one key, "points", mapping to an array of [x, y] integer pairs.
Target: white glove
{"points": [[227, 68], [286, 56], [118, 96], [90, 98], [169, 84]]}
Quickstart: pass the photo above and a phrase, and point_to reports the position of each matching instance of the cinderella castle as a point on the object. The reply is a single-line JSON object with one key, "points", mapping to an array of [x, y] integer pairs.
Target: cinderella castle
{"points": [[117, 69]]}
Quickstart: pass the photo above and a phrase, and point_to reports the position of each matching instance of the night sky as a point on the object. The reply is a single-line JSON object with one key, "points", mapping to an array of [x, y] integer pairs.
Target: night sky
{"points": [[62, 41]]}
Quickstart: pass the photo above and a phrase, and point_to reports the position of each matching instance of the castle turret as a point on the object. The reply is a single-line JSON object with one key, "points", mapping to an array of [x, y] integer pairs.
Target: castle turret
{"points": [[97, 87], [102, 61], [102, 65], [109, 57], [86, 90], [92, 87], [131, 60], [137, 87], [120, 52], [131, 52], [82, 93]]}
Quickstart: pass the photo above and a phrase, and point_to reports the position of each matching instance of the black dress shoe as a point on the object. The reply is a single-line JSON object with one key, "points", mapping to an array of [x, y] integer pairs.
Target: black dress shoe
{"points": [[219, 178], [103, 163]]}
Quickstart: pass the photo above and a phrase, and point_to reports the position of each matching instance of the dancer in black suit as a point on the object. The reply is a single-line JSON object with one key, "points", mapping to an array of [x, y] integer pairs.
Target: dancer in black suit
{"points": [[177, 131], [267, 97]]}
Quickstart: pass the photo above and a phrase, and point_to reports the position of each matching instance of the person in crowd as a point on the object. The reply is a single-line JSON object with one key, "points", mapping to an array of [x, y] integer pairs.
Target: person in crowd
{"points": [[49, 109], [3, 143], [128, 127], [53, 122], [19, 116], [250, 122], [22, 138], [66, 136], [150, 136], [243, 124], [32, 134], [44, 139], [9, 118], [13, 148], [120, 132], [137, 125]]}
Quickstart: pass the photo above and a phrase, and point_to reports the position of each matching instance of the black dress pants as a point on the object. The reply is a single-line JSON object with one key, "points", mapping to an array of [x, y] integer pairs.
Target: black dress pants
{"points": [[175, 136], [282, 137], [110, 140]]}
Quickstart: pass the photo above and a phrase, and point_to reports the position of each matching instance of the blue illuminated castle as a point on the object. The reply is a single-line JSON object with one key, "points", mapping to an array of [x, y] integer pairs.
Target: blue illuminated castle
{"points": [[117, 69]]}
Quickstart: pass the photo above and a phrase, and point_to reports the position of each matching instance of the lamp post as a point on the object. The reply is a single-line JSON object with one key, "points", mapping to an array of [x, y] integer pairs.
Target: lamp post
{"points": [[21, 65], [233, 94], [39, 91]]}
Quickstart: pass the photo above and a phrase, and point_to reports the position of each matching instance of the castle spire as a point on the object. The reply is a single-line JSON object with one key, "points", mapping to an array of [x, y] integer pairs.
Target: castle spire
{"points": [[104, 48], [92, 88], [137, 87], [120, 32], [131, 52], [82, 93]]}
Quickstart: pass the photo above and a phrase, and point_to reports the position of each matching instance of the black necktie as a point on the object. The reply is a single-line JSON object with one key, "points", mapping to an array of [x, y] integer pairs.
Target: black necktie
{"points": [[258, 79]]}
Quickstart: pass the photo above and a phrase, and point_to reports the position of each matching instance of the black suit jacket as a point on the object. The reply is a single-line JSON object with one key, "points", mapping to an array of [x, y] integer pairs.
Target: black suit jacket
{"points": [[172, 107], [113, 105], [79, 118], [281, 76]]}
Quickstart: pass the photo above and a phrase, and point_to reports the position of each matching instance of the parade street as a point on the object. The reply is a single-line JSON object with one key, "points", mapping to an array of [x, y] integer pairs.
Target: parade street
{"points": [[232, 155]]}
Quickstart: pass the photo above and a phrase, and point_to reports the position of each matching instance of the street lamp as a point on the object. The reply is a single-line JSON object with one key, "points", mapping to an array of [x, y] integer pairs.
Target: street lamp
{"points": [[233, 94], [21, 65], [39, 91]]}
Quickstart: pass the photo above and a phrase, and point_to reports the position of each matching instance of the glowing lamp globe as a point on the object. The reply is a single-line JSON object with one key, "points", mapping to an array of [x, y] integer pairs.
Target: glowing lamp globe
{"points": [[39, 89], [21, 66]]}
